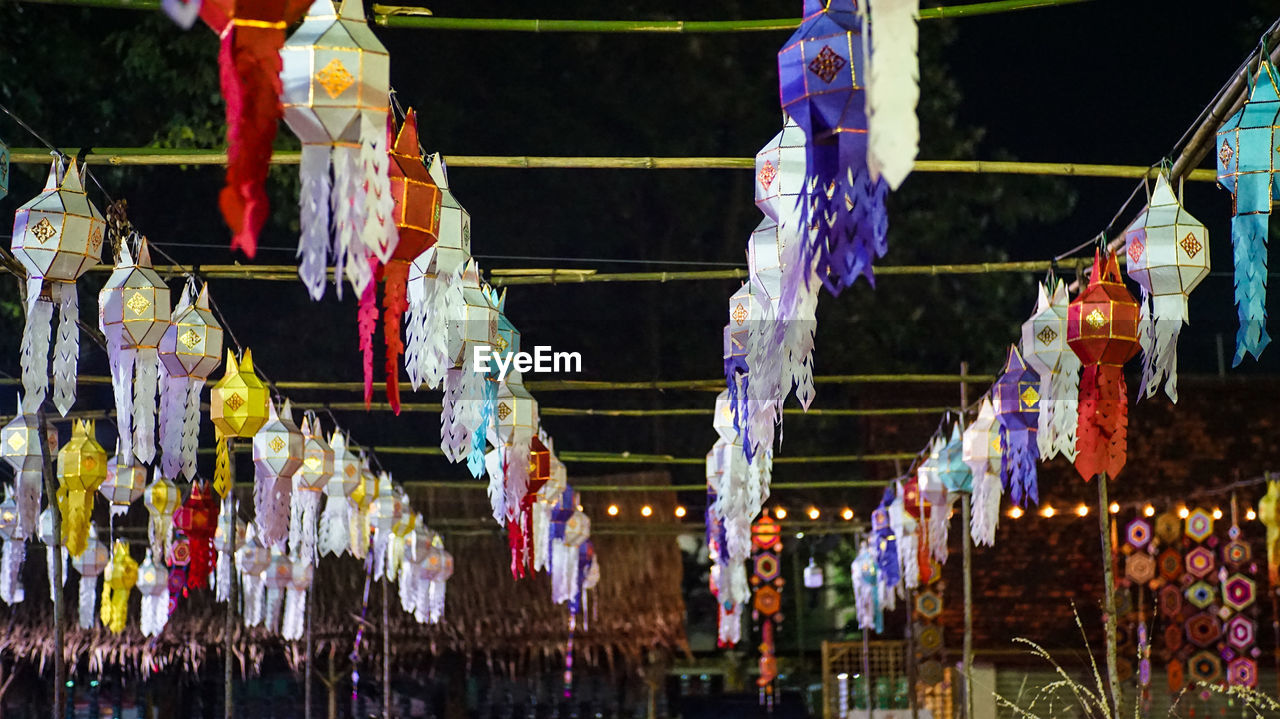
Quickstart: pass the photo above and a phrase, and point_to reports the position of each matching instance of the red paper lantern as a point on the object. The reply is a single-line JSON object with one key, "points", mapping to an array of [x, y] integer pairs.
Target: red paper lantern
{"points": [[197, 519], [1102, 329], [417, 220]]}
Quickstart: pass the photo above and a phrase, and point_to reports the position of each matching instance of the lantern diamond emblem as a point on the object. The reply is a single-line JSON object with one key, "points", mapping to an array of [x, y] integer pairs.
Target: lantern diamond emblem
{"points": [[234, 402], [276, 444], [504, 411], [138, 303], [1029, 397], [44, 230], [312, 463], [334, 78], [189, 339], [1096, 319], [740, 314], [1135, 249], [1225, 153], [16, 441], [500, 344], [1047, 335], [767, 174], [95, 238], [826, 64], [1191, 245]]}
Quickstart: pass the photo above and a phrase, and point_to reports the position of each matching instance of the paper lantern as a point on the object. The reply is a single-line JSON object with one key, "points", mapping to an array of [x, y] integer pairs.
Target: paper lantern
{"points": [[20, 448], [1016, 397], [382, 516], [1044, 347], [954, 474], [133, 314], [277, 578], [90, 564], [238, 408], [251, 35], [1102, 329], [153, 585], [417, 220], [295, 602], [749, 336], [309, 485], [119, 578], [336, 78], [231, 533], [780, 172], [474, 326], [1168, 257], [14, 552], [82, 467], [190, 350], [277, 456], [252, 560], [1246, 169], [513, 431], [821, 79], [124, 485], [197, 520], [982, 455], [162, 499], [437, 568], [57, 237], [344, 476]]}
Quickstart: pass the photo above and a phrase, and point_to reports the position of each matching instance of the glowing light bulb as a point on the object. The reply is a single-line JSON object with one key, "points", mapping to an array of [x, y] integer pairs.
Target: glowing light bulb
{"points": [[1149, 511], [646, 511], [1082, 511], [1015, 512], [814, 513], [612, 510], [780, 513], [847, 514], [680, 511], [1217, 513], [1250, 515], [1048, 511], [1184, 512], [1115, 508]]}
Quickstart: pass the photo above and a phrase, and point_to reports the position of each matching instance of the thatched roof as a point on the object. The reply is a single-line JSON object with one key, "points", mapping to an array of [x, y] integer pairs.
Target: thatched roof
{"points": [[637, 607]]}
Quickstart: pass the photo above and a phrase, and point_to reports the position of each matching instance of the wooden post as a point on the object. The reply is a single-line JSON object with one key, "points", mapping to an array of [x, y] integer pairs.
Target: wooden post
{"points": [[50, 492], [1109, 587], [913, 688], [228, 673], [966, 538], [866, 673], [386, 649], [306, 665]]}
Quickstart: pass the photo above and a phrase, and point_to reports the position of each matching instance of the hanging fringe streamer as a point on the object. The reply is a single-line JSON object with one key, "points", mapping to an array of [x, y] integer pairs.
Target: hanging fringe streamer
{"points": [[14, 553], [1018, 465], [394, 306], [313, 245], [985, 509], [893, 89], [224, 572], [335, 525], [154, 585], [66, 352], [35, 348], [367, 321], [349, 203], [173, 411], [1016, 399], [1245, 147], [453, 435], [476, 459], [118, 580], [295, 606], [271, 500], [145, 385], [1104, 422], [378, 233], [303, 510], [88, 600]]}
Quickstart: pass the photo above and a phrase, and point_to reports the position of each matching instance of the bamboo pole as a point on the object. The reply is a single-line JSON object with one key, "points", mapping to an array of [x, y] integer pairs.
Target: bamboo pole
{"points": [[310, 647], [386, 648], [151, 156], [966, 510], [636, 458], [1109, 600], [420, 18], [50, 492]]}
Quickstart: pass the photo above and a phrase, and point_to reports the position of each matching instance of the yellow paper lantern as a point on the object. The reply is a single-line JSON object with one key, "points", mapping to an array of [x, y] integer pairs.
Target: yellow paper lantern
{"points": [[238, 408], [118, 579], [82, 468]]}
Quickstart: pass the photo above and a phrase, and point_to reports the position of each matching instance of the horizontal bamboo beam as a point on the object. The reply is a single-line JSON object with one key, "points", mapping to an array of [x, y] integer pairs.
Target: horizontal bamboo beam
{"points": [[143, 156], [476, 485], [419, 18], [570, 456]]}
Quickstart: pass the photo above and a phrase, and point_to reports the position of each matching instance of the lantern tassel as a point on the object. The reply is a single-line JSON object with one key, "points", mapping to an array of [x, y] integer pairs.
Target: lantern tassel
{"points": [[358, 528], [271, 495], [35, 349], [271, 620], [517, 479], [452, 434], [939, 523], [222, 467], [417, 357], [303, 524], [295, 605], [88, 601], [144, 403], [191, 437], [367, 319], [893, 89], [846, 209], [496, 463], [378, 233], [475, 460], [985, 508], [223, 576], [1160, 358], [435, 610], [394, 307], [1018, 465], [470, 409], [1104, 419], [173, 411], [11, 591], [348, 201], [422, 600], [76, 507], [1065, 411], [764, 356], [1249, 241], [253, 587], [313, 201], [50, 557], [408, 587], [334, 531], [66, 351], [30, 492], [122, 367]]}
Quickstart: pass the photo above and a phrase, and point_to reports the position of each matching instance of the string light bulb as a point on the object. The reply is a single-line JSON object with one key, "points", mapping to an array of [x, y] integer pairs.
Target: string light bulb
{"points": [[1149, 511], [1048, 511], [646, 511], [847, 514], [1251, 515], [1183, 512], [1015, 512], [1115, 508], [1217, 513], [814, 513], [680, 511], [612, 510], [780, 513], [1082, 511]]}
